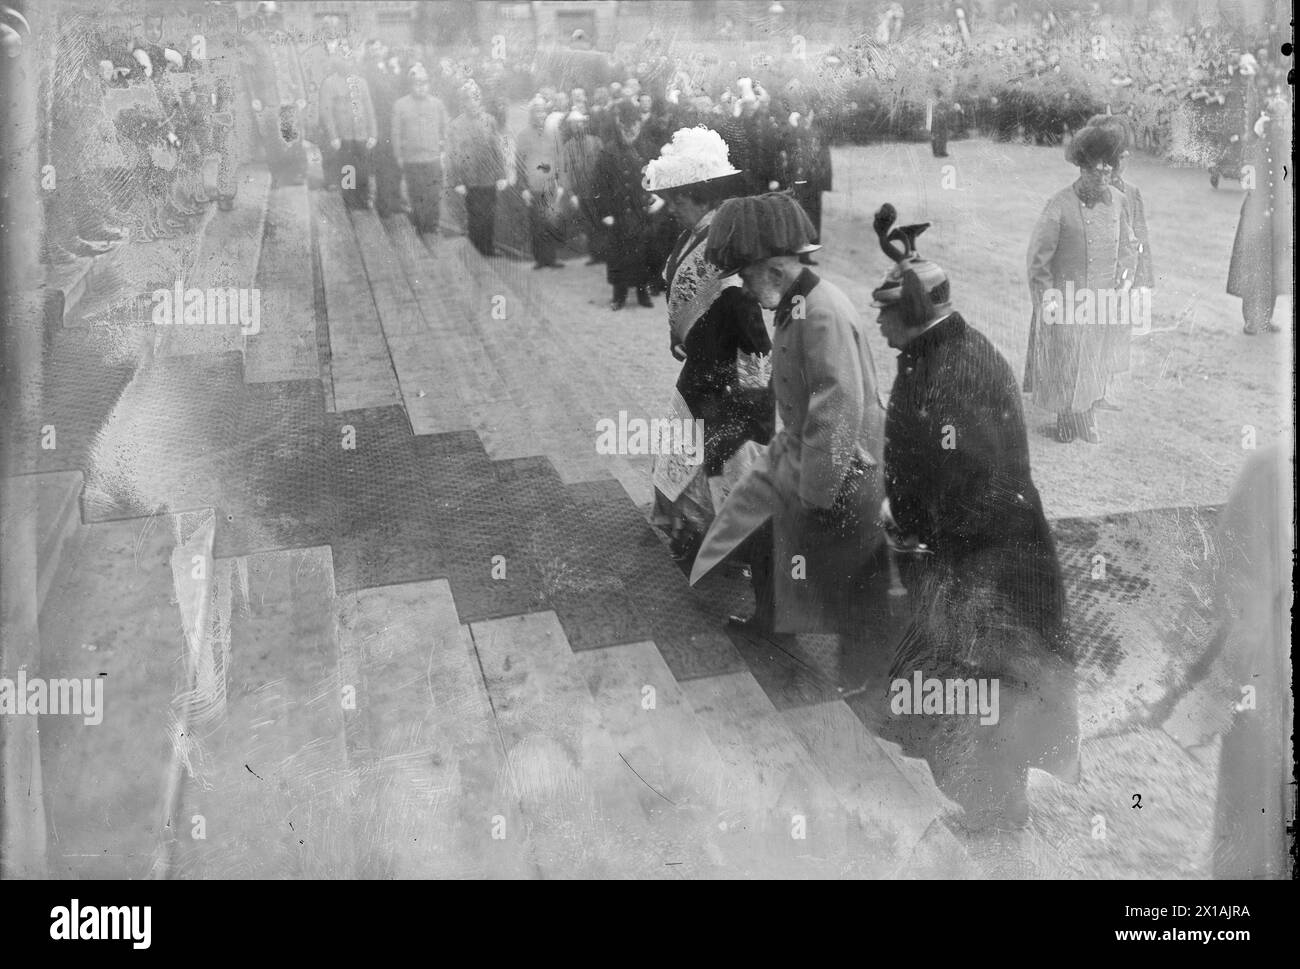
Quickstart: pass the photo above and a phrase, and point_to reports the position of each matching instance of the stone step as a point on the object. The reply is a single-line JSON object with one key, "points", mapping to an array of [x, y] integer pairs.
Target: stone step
{"points": [[655, 731], [561, 427], [432, 781], [455, 353], [424, 370], [792, 822], [895, 815], [112, 617], [360, 365], [228, 257], [581, 803], [270, 776], [581, 382], [285, 346]]}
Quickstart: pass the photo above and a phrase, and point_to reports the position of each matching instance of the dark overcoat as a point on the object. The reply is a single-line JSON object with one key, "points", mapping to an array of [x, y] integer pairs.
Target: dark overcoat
{"points": [[989, 599], [618, 192]]}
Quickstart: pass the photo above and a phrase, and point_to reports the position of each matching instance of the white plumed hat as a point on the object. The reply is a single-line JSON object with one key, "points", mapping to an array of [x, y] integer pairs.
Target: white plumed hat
{"points": [[695, 155]]}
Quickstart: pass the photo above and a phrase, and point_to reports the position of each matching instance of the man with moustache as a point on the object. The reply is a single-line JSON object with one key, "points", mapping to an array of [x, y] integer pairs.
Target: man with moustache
{"points": [[806, 515], [989, 601]]}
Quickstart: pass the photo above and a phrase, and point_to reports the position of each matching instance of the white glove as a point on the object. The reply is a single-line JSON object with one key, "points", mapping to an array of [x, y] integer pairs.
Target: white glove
{"points": [[527, 196], [608, 220], [370, 143], [501, 184], [773, 185], [462, 190], [656, 205]]}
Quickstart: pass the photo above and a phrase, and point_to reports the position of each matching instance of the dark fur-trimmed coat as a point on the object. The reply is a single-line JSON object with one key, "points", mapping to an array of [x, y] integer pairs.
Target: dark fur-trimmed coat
{"points": [[988, 600]]}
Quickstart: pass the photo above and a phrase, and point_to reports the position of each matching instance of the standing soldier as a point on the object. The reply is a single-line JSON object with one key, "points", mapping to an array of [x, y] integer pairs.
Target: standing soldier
{"points": [[348, 118], [478, 168], [1261, 269], [537, 159], [315, 68], [385, 88], [277, 94], [419, 130], [577, 177]]}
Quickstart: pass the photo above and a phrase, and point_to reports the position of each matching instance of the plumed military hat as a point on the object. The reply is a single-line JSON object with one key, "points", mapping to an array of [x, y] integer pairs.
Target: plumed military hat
{"points": [[918, 285]]}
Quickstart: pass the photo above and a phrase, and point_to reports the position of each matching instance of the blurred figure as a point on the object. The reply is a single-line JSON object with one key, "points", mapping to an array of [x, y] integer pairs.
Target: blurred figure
{"points": [[1262, 266], [478, 168], [385, 87], [625, 208], [806, 162], [1256, 798], [315, 69], [1082, 247], [277, 94], [578, 157], [1144, 275], [348, 120], [537, 163], [419, 131]]}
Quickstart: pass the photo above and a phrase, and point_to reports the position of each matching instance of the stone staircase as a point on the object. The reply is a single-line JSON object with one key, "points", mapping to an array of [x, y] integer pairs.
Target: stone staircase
{"points": [[452, 649]]}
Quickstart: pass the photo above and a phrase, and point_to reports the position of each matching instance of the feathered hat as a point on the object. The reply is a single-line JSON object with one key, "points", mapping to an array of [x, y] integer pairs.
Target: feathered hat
{"points": [[918, 285], [757, 227], [696, 157]]}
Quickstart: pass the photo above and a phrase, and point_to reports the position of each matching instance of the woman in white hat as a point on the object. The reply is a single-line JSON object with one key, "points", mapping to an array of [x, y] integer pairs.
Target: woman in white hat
{"points": [[716, 329]]}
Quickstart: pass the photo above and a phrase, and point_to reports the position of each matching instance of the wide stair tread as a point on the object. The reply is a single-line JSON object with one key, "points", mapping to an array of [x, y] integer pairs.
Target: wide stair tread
{"points": [[432, 784], [362, 371], [271, 779], [581, 802], [284, 348]]}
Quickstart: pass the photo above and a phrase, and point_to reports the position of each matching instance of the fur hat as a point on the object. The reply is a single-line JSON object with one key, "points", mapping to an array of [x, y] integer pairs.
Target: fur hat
{"points": [[757, 227], [1117, 122], [918, 285], [1095, 145]]}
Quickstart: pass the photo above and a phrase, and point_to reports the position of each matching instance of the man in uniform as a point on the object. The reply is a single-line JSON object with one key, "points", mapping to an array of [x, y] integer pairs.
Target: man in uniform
{"points": [[986, 587], [807, 512]]}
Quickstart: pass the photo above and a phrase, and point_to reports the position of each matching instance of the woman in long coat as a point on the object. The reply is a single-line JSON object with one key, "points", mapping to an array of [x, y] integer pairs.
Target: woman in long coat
{"points": [[1082, 254], [714, 325], [1144, 276], [1261, 268], [623, 206]]}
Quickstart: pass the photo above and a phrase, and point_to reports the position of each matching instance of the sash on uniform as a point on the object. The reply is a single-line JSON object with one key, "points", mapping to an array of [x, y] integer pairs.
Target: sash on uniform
{"points": [[694, 283]]}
